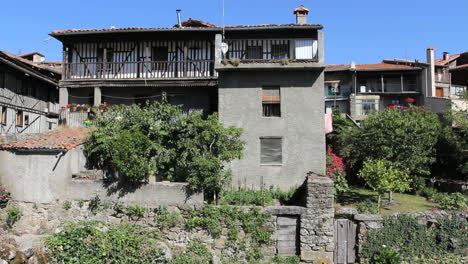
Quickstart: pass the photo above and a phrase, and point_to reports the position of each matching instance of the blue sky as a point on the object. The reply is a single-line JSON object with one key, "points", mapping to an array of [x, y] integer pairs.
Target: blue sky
{"points": [[365, 31]]}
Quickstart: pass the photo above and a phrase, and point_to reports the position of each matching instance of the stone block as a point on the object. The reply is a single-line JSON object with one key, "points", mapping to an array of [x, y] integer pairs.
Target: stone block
{"points": [[310, 255]]}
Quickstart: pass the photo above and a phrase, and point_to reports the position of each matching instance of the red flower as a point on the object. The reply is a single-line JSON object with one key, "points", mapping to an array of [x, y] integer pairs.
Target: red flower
{"points": [[410, 100]]}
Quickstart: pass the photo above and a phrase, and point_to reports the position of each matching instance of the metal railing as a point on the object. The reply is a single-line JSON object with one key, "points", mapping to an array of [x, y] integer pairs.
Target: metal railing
{"points": [[140, 69]]}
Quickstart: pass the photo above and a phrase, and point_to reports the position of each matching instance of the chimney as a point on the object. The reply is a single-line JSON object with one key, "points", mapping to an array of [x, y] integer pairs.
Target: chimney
{"points": [[179, 22], [446, 56], [431, 88], [301, 15]]}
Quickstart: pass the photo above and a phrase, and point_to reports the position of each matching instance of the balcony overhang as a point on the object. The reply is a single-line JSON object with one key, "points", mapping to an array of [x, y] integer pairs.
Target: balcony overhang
{"points": [[269, 65], [168, 82], [404, 93]]}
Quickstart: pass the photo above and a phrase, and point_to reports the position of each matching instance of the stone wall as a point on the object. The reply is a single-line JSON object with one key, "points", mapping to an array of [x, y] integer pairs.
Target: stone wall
{"points": [[315, 231]]}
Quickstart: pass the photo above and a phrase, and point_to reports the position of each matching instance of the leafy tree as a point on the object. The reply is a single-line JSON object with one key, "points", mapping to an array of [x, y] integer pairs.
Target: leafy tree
{"points": [[404, 137], [383, 178], [162, 140]]}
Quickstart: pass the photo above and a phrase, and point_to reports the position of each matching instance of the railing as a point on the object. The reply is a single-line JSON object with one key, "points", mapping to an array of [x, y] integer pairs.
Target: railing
{"points": [[442, 77], [272, 49], [53, 108], [140, 69]]}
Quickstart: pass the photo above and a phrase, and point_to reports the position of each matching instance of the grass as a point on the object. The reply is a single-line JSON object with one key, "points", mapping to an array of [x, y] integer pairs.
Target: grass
{"points": [[402, 202]]}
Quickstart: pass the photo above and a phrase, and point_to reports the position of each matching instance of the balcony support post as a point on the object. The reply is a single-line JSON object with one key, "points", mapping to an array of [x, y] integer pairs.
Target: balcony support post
{"points": [[63, 96], [321, 47], [97, 96], [218, 54], [402, 83]]}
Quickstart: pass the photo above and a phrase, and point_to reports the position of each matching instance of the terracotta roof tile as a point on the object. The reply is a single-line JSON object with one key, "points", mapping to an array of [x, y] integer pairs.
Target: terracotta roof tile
{"points": [[371, 67], [31, 53], [451, 58], [59, 139], [201, 25], [301, 8]]}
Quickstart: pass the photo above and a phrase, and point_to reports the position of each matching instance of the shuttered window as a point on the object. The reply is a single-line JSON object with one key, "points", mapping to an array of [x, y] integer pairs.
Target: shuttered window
{"points": [[271, 151], [4, 116], [271, 101], [19, 118]]}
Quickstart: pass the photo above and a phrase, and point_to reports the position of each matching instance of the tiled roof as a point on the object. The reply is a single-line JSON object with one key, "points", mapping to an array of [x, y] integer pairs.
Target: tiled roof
{"points": [[371, 67], [194, 26], [196, 23], [59, 139], [451, 58], [460, 67], [31, 53], [17, 60]]}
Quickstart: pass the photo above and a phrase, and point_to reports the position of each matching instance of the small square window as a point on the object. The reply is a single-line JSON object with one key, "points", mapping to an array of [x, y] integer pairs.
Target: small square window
{"points": [[26, 120], [271, 101], [271, 151]]}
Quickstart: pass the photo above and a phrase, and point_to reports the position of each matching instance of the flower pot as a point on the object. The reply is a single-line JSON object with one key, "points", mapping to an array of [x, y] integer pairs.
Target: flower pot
{"points": [[74, 109]]}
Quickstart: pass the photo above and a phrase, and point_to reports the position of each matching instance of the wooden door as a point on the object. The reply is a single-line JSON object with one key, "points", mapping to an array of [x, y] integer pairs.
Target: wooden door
{"points": [[287, 227], [439, 92], [345, 239]]}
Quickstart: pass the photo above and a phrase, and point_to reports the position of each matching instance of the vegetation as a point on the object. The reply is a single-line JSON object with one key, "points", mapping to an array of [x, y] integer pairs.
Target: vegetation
{"points": [[94, 242], [336, 170], [365, 201], [164, 141], [233, 219], [5, 196], [166, 219], [67, 205], [390, 135], [447, 201], [258, 197], [13, 215], [387, 256], [382, 178], [136, 212], [286, 260], [413, 240], [196, 253]]}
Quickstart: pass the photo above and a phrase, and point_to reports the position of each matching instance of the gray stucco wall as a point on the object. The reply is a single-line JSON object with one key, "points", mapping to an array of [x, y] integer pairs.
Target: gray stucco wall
{"points": [[39, 177], [301, 124]]}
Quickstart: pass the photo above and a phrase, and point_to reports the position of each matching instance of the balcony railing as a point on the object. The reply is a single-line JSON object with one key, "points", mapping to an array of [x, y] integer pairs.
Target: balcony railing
{"points": [[140, 69], [443, 77], [255, 50]]}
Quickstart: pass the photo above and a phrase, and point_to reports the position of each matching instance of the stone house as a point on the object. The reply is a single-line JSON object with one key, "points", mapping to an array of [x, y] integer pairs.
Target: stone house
{"points": [[28, 95], [266, 79]]}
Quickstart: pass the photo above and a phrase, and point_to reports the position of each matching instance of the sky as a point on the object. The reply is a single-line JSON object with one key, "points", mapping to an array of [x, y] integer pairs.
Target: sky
{"points": [[364, 31]]}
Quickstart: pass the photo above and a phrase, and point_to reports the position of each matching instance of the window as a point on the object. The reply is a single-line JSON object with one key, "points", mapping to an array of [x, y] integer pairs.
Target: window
{"points": [[271, 151], [279, 51], [271, 101], [105, 55], [159, 56], [4, 116], [254, 52], [2, 80], [366, 106], [19, 118], [26, 120]]}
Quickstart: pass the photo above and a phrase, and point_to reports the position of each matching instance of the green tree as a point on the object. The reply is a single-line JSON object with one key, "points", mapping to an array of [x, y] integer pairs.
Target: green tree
{"points": [[404, 137], [383, 178], [162, 140]]}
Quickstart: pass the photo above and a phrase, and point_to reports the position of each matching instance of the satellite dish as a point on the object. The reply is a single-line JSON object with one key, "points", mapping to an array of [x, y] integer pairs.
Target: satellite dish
{"points": [[224, 48]]}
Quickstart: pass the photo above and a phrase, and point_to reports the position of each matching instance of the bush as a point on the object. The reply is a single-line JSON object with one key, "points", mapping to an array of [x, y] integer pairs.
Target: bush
{"points": [[13, 215], [257, 197], [162, 140], [196, 253], [166, 219], [446, 201], [412, 239], [336, 171], [286, 260], [390, 135], [5, 196], [368, 206], [94, 242], [67, 205], [136, 212], [387, 256]]}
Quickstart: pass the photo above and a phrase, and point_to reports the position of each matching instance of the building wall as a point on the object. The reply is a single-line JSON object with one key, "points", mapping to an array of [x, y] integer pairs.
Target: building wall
{"points": [[301, 125], [21, 93]]}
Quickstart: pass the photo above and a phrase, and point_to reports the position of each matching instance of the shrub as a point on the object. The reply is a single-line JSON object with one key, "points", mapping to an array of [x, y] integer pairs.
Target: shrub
{"points": [[136, 212], [387, 256], [94, 242], [196, 253], [453, 201], [257, 197], [286, 260], [167, 219], [5, 196], [390, 135], [67, 205], [412, 239], [162, 140], [368, 206], [336, 170], [13, 215]]}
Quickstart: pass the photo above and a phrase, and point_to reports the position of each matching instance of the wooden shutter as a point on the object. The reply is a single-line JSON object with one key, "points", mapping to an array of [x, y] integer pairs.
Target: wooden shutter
{"points": [[271, 150]]}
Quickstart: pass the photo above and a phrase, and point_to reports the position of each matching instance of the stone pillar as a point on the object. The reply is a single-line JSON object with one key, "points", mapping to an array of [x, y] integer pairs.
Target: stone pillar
{"points": [[63, 96], [431, 87], [317, 224], [321, 47], [97, 96]]}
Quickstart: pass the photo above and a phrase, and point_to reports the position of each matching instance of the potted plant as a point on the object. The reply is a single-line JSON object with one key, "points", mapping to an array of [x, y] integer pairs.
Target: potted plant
{"points": [[80, 108], [87, 108]]}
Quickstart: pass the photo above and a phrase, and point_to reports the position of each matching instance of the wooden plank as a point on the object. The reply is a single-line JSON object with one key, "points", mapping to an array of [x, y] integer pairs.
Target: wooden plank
{"points": [[287, 220], [351, 238], [341, 241]]}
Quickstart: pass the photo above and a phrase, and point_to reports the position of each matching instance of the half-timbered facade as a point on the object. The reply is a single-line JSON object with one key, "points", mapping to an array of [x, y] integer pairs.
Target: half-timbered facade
{"points": [[28, 96], [266, 79]]}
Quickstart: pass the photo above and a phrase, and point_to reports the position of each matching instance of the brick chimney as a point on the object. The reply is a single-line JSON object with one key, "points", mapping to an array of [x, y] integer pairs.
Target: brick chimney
{"points": [[446, 56], [301, 15]]}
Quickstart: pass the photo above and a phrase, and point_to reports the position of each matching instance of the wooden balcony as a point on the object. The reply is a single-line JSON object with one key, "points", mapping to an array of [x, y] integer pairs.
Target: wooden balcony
{"points": [[196, 69]]}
